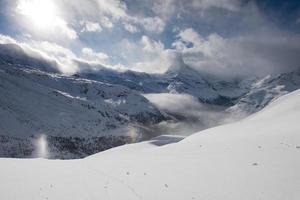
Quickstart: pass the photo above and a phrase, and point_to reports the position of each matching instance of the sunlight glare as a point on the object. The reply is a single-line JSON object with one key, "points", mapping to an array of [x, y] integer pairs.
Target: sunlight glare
{"points": [[41, 12]]}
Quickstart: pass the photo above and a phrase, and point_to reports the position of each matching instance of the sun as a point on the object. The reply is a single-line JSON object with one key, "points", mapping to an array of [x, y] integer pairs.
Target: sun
{"points": [[42, 13]]}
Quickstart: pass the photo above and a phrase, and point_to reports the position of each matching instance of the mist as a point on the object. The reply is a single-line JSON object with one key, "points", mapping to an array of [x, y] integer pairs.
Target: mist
{"points": [[187, 115]]}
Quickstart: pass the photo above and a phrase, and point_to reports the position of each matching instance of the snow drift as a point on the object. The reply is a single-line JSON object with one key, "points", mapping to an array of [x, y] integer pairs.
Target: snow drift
{"points": [[256, 158]]}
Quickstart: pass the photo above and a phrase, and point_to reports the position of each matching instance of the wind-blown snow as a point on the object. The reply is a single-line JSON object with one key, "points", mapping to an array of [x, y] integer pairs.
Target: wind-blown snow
{"points": [[256, 158]]}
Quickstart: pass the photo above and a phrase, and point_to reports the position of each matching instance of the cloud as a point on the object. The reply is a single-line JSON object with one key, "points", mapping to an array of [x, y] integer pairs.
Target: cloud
{"points": [[232, 5], [149, 55], [61, 25], [239, 56], [96, 57], [181, 104], [64, 59], [130, 28], [186, 37], [41, 17], [170, 9], [4, 39], [51, 51], [167, 8], [89, 26], [115, 8], [152, 24], [106, 22], [109, 13], [151, 46], [153, 36], [190, 115]]}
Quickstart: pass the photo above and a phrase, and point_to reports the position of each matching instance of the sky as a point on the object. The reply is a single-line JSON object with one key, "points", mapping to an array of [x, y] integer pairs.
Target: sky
{"points": [[227, 38]]}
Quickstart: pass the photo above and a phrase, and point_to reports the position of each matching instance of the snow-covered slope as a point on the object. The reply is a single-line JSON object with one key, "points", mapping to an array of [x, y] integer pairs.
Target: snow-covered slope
{"points": [[263, 91], [257, 158], [34, 102], [58, 105], [15, 55]]}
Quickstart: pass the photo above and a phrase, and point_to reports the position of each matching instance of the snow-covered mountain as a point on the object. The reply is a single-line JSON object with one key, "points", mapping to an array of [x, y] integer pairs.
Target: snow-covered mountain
{"points": [[262, 91], [256, 158], [183, 80], [34, 102], [16, 55], [100, 108]]}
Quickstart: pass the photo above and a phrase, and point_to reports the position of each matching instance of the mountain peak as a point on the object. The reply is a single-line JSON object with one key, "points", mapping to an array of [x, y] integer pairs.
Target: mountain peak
{"points": [[177, 66]]}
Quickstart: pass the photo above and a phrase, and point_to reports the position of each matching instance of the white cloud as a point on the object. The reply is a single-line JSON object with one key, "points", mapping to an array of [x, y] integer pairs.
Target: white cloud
{"points": [[166, 9], [89, 26], [67, 61], [253, 53], [53, 49], [190, 42], [190, 35], [239, 56], [118, 10], [6, 39], [194, 116], [151, 46], [62, 56], [149, 55], [106, 22], [62, 26], [130, 28], [159, 62], [153, 24], [183, 104], [115, 8], [232, 5], [107, 13], [91, 56]]}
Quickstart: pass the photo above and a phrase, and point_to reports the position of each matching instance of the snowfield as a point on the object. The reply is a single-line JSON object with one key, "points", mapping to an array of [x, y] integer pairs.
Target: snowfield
{"points": [[257, 158]]}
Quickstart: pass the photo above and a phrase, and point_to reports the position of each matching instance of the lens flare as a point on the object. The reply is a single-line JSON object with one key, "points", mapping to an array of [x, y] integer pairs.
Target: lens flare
{"points": [[42, 147], [133, 134]]}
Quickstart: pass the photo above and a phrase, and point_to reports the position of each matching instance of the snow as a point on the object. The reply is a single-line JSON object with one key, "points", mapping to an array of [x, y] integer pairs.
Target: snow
{"points": [[256, 158], [265, 90], [33, 102]]}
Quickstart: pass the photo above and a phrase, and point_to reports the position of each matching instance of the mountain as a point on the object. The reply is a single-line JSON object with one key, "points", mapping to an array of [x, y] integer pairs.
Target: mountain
{"points": [[182, 80], [16, 55], [265, 90], [99, 108], [256, 158], [34, 102]]}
